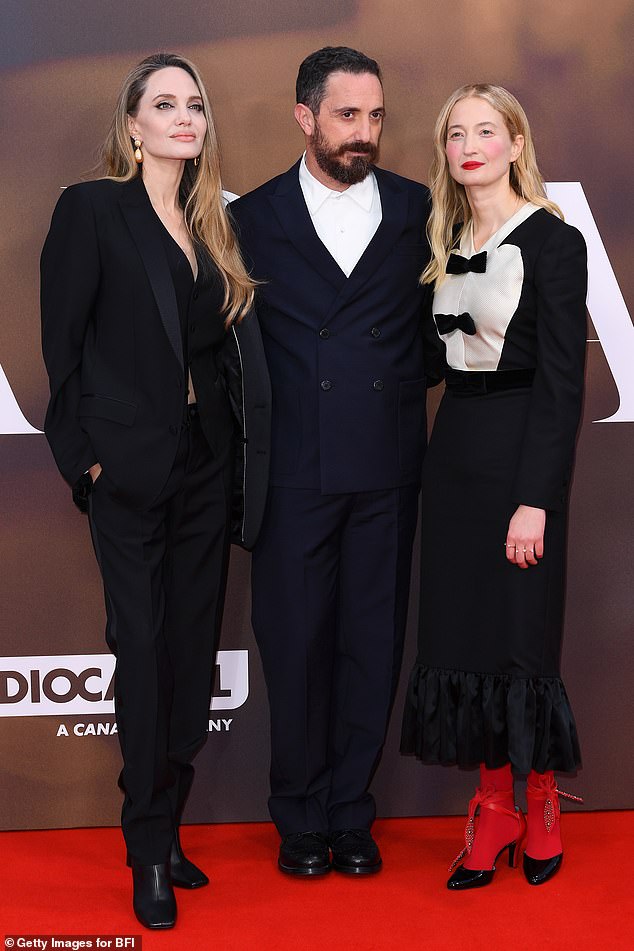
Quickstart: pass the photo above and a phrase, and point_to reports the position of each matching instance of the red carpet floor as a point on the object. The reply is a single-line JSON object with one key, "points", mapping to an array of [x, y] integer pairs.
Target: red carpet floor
{"points": [[75, 882]]}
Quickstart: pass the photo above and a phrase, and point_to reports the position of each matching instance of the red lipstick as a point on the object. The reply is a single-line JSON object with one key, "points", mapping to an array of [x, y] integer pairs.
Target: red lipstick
{"points": [[470, 166]]}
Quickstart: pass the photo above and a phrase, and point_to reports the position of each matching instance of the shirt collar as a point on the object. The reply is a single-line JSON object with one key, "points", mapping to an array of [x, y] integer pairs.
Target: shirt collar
{"points": [[316, 193]]}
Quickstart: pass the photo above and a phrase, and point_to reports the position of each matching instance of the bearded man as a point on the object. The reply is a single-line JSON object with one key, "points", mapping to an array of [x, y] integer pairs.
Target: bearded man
{"points": [[337, 245]]}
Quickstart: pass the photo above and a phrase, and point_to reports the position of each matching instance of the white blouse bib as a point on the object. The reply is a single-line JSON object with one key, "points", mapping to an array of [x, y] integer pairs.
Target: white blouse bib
{"points": [[490, 298]]}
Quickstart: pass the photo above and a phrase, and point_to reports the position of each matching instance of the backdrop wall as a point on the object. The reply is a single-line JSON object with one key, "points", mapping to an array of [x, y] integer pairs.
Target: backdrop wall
{"points": [[61, 66]]}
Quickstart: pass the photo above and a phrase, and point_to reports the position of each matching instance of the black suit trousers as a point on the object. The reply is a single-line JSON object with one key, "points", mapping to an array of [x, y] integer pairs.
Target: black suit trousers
{"points": [[330, 581], [164, 571]]}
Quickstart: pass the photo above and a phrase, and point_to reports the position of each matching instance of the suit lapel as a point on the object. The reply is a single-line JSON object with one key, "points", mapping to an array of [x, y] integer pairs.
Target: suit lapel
{"points": [[291, 211], [394, 202], [144, 228]]}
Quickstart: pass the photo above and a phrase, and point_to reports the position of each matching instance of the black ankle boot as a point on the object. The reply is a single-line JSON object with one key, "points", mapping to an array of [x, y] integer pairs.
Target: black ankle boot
{"points": [[153, 902], [184, 873]]}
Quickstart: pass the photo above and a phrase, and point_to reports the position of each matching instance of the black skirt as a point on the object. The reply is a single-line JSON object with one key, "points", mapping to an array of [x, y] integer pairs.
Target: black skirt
{"points": [[486, 686]]}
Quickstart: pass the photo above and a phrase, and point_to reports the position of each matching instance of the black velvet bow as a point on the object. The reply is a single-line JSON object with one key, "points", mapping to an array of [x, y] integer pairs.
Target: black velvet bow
{"points": [[448, 322], [459, 265]]}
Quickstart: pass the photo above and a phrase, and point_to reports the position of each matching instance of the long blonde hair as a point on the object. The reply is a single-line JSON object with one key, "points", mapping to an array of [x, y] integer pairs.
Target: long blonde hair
{"points": [[449, 199], [200, 187]]}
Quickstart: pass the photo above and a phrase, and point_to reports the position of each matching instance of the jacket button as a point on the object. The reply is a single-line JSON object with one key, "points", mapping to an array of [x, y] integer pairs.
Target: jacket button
{"points": [[195, 295], [324, 333], [192, 328], [375, 332], [173, 430], [326, 385], [378, 384]]}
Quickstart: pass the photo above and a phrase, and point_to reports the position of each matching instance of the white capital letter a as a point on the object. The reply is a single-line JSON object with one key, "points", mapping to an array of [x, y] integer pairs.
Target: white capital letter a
{"points": [[12, 419], [607, 308]]}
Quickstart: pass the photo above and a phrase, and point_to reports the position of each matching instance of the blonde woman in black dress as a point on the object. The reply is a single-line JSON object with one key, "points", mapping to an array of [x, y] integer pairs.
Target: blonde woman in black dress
{"points": [[509, 281]]}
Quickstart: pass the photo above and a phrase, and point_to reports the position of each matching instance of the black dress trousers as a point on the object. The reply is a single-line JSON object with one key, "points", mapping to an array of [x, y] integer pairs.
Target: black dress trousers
{"points": [[330, 582], [164, 570]]}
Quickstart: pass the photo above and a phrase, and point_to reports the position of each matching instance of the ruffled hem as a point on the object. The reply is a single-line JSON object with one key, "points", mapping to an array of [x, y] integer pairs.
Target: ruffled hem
{"points": [[458, 717]]}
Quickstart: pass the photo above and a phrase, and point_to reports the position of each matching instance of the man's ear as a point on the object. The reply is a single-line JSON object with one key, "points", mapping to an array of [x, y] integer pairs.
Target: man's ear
{"points": [[304, 118]]}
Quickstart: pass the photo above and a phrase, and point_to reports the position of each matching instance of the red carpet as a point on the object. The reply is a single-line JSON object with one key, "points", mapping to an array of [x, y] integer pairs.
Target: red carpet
{"points": [[75, 882]]}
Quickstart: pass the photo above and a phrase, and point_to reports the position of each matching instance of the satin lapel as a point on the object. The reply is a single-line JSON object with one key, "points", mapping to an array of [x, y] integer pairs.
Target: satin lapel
{"points": [[144, 228], [394, 202], [291, 211]]}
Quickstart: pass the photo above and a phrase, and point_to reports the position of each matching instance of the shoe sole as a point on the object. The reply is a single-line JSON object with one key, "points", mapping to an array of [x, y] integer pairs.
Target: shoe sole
{"points": [[303, 872], [361, 870], [161, 926], [190, 886], [474, 883]]}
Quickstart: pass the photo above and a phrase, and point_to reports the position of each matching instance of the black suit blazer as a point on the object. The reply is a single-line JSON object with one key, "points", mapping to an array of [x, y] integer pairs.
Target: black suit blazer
{"points": [[112, 345], [345, 354]]}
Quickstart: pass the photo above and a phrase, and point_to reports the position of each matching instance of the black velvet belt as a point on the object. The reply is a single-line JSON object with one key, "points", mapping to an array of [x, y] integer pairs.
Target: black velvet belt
{"points": [[476, 382]]}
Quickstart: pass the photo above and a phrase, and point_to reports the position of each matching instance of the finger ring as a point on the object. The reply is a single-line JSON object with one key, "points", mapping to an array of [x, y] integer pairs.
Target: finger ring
{"points": [[524, 551]]}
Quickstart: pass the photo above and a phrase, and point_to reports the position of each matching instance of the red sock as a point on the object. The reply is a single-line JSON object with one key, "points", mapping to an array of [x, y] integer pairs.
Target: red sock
{"points": [[544, 832], [493, 829], [501, 779]]}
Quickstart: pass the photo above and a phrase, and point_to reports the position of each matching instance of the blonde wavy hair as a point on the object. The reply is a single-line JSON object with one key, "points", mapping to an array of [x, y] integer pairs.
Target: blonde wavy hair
{"points": [[450, 207], [200, 188]]}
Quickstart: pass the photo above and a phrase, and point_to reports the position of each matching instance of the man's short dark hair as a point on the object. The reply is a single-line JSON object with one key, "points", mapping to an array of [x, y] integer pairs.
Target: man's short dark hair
{"points": [[313, 74]]}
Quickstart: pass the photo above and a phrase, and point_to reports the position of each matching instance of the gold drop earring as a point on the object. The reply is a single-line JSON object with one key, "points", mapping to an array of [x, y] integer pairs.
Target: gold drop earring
{"points": [[138, 154]]}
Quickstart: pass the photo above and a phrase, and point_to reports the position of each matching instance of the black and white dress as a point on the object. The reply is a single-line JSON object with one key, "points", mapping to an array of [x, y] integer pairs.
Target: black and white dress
{"points": [[486, 686]]}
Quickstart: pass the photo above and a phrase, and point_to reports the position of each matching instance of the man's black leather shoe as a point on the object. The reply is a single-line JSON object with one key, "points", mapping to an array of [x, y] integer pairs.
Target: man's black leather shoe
{"points": [[153, 902], [304, 853], [355, 852], [184, 873]]}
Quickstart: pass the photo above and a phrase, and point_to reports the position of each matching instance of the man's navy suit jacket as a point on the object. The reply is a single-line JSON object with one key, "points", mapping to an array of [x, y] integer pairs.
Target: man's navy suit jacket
{"points": [[345, 354]]}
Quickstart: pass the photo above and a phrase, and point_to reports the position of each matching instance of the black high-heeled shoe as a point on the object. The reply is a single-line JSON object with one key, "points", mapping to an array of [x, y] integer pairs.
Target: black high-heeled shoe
{"points": [[538, 871], [184, 873], [463, 878], [476, 878], [153, 899], [542, 796]]}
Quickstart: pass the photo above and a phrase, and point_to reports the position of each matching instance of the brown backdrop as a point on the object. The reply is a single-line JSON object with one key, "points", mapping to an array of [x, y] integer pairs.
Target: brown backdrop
{"points": [[570, 65]]}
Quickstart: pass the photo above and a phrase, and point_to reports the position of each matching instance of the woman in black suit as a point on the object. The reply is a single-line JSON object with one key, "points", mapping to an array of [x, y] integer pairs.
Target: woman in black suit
{"points": [[509, 281], [155, 378]]}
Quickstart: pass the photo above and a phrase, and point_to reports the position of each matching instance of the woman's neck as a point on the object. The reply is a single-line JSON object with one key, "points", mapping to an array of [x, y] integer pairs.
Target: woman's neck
{"points": [[490, 209], [162, 182]]}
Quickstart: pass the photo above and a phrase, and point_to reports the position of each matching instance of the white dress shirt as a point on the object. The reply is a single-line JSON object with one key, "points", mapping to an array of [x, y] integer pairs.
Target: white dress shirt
{"points": [[344, 221]]}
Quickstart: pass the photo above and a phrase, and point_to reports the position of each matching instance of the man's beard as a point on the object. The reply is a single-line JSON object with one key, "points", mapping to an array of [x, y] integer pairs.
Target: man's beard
{"points": [[330, 160]]}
